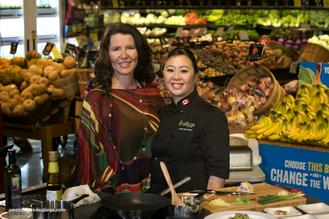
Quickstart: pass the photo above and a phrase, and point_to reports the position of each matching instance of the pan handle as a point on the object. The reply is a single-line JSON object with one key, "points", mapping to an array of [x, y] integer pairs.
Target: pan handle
{"points": [[76, 200]]}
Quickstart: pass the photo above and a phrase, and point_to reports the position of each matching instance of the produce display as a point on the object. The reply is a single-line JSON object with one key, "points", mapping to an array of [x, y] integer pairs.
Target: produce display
{"points": [[213, 59], [304, 119], [26, 84], [289, 38], [240, 103], [321, 40]]}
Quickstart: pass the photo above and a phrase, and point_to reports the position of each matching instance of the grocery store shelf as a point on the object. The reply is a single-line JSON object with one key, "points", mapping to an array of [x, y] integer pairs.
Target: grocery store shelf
{"points": [[42, 38], [18, 12], [186, 7]]}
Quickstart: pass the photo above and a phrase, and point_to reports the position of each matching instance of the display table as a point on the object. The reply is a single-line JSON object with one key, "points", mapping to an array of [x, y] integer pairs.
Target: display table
{"points": [[296, 166], [43, 132]]}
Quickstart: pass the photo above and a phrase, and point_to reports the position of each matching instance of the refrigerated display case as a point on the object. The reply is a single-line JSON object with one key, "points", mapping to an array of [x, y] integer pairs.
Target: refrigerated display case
{"points": [[30, 23]]}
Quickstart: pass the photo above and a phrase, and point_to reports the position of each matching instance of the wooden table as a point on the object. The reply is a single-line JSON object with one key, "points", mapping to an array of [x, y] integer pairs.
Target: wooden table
{"points": [[43, 132]]}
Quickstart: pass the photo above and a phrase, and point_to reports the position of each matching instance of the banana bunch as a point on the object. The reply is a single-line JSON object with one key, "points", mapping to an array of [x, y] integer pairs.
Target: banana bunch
{"points": [[304, 119]]}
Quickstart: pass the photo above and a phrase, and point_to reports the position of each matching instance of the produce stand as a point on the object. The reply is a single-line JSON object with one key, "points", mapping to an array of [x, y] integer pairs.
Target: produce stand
{"points": [[44, 132], [297, 166]]}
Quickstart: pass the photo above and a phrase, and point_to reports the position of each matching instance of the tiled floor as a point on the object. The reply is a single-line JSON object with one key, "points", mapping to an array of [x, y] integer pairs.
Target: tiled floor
{"points": [[31, 163]]}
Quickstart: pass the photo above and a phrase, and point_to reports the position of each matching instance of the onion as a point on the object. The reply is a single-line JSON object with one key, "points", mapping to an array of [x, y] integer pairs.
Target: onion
{"points": [[281, 40], [298, 42]]}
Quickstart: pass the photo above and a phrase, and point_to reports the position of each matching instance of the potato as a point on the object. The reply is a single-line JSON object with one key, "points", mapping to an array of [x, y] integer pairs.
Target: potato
{"points": [[13, 92], [8, 87], [35, 70], [58, 67], [26, 94], [5, 109], [19, 98], [29, 105], [57, 93], [69, 62], [4, 96], [41, 98], [47, 70], [53, 76], [27, 76], [44, 81], [35, 79], [19, 110], [37, 89]]}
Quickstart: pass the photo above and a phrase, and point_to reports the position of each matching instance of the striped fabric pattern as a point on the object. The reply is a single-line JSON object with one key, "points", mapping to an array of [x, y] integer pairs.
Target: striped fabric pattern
{"points": [[98, 158]]}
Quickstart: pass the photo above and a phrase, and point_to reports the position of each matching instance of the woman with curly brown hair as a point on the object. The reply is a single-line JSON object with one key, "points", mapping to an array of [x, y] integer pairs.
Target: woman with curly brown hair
{"points": [[119, 114]]}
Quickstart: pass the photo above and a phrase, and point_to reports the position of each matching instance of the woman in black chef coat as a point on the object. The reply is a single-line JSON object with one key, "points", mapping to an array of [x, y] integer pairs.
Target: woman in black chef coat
{"points": [[193, 137]]}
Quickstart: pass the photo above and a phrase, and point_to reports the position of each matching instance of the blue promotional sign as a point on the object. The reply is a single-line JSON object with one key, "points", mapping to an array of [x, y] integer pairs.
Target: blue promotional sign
{"points": [[312, 72], [304, 169]]}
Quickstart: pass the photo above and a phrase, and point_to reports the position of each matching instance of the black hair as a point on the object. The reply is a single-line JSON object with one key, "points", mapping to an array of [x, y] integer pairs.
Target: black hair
{"points": [[182, 50]]}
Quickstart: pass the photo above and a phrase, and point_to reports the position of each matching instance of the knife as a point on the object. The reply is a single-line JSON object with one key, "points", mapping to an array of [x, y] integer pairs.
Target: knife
{"points": [[215, 192], [179, 183]]}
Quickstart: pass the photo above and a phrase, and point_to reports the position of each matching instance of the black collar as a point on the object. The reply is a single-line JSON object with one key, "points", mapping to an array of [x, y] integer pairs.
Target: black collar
{"points": [[183, 102]]}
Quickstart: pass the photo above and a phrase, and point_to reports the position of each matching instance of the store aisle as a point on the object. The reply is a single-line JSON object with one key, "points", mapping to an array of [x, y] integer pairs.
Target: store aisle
{"points": [[31, 163]]}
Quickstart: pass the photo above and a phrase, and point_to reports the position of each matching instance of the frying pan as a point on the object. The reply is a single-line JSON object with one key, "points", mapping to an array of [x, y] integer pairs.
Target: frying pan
{"points": [[135, 205]]}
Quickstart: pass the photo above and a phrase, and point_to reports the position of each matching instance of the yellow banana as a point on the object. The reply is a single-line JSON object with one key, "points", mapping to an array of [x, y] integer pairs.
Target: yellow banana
{"points": [[325, 113], [274, 137], [323, 98], [272, 130], [260, 124], [319, 135], [268, 122]]}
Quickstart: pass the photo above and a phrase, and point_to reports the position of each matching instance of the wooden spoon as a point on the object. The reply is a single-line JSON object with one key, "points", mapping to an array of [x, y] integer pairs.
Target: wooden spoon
{"points": [[175, 199]]}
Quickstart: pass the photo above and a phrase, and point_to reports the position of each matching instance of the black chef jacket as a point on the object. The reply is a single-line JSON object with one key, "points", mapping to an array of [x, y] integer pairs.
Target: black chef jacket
{"points": [[192, 140]]}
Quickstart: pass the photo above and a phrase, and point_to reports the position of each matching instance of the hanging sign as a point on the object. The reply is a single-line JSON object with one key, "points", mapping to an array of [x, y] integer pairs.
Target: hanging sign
{"points": [[264, 40], [13, 47], [255, 51], [243, 35], [57, 54], [69, 48], [49, 46]]}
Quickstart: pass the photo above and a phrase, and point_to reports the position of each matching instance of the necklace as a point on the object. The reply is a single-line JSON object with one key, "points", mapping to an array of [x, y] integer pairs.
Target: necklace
{"points": [[115, 147]]}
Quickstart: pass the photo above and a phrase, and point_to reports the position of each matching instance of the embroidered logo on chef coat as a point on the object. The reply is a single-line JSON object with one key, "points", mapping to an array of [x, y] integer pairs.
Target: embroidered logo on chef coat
{"points": [[186, 125]]}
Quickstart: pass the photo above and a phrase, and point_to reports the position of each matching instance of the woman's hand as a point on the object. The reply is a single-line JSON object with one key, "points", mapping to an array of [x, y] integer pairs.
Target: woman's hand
{"points": [[215, 182]]}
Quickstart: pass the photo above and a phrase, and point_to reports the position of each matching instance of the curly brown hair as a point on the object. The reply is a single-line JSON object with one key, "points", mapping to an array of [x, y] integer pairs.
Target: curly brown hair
{"points": [[103, 68]]}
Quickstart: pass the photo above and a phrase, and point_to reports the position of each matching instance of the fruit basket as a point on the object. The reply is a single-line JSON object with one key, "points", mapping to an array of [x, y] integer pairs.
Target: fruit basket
{"points": [[39, 114], [314, 53], [252, 73]]}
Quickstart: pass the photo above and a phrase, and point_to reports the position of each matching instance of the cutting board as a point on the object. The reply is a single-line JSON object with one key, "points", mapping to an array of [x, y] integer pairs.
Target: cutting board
{"points": [[261, 189]]}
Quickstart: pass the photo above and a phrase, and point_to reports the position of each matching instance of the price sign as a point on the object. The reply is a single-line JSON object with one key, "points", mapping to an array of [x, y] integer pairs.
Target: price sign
{"points": [[49, 46], [264, 40], [57, 54], [243, 35], [13, 47], [230, 30], [69, 48], [179, 32], [255, 51], [219, 32]]}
